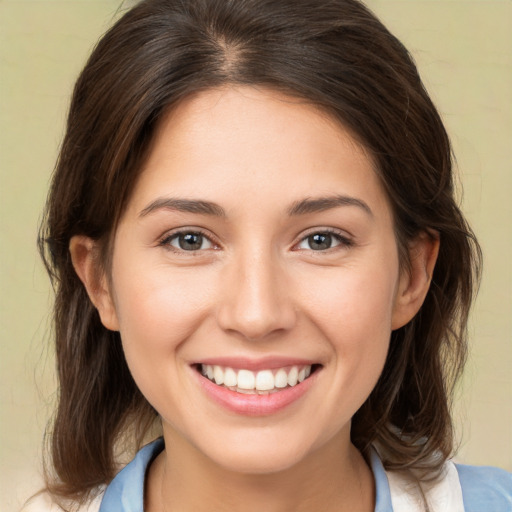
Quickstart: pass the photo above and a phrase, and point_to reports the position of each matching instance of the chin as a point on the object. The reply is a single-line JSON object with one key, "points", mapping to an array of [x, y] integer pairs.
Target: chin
{"points": [[259, 462], [259, 453]]}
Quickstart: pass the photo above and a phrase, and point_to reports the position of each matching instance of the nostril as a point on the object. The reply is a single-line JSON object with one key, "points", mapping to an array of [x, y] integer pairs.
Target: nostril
{"points": [[258, 328]]}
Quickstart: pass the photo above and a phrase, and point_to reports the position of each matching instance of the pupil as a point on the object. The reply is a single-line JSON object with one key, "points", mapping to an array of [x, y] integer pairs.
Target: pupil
{"points": [[320, 241], [190, 241]]}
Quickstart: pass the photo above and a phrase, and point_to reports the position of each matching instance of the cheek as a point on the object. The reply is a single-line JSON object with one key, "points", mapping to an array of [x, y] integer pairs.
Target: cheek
{"points": [[157, 312], [156, 305], [354, 306], [354, 312], [156, 316]]}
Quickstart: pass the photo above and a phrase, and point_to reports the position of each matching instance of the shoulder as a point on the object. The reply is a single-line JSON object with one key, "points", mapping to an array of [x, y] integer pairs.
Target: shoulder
{"points": [[43, 502], [128, 485], [126, 488], [485, 488], [460, 488]]}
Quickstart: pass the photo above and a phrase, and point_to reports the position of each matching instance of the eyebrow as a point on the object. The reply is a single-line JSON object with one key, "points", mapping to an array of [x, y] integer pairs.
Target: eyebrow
{"points": [[320, 204], [302, 207], [184, 205]]}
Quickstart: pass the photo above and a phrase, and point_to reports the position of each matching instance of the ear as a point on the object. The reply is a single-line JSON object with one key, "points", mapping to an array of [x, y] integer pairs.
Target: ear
{"points": [[415, 281], [85, 258]]}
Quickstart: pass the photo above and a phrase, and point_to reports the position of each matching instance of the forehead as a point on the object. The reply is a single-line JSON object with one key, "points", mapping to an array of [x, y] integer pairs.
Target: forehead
{"points": [[253, 117], [246, 142]]}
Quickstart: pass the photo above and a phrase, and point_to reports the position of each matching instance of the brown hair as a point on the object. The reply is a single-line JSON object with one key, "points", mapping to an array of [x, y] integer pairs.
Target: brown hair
{"points": [[337, 56]]}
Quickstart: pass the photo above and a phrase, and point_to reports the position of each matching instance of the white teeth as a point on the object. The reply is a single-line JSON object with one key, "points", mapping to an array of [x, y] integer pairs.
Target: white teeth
{"points": [[246, 379], [218, 375], [230, 379], [281, 379], [293, 376], [262, 382]]}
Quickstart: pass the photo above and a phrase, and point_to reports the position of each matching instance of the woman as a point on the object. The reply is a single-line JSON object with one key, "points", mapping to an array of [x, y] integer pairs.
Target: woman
{"points": [[255, 244]]}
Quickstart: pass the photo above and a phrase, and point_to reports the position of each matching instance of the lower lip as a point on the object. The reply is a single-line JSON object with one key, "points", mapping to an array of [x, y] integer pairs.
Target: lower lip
{"points": [[254, 404]]}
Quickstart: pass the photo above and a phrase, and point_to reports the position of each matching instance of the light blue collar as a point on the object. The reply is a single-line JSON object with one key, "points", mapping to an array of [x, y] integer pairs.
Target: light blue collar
{"points": [[126, 491]]}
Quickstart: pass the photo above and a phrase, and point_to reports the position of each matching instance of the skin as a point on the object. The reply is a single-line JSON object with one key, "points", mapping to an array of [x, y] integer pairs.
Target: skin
{"points": [[255, 288]]}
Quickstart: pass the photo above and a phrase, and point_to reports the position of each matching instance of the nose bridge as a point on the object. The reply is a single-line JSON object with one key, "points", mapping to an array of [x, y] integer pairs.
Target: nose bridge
{"points": [[257, 302]]}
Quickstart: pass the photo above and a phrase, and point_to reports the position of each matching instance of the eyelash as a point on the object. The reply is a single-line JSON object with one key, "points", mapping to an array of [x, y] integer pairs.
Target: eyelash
{"points": [[342, 239]]}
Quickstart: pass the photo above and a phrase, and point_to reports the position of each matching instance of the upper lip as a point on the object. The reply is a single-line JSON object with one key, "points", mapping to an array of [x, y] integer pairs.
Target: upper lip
{"points": [[255, 364]]}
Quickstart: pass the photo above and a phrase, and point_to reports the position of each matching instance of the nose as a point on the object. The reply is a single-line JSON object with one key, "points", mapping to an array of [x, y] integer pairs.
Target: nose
{"points": [[255, 300]]}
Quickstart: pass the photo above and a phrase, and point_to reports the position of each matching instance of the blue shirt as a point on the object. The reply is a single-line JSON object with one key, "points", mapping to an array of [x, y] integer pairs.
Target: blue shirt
{"points": [[484, 489]]}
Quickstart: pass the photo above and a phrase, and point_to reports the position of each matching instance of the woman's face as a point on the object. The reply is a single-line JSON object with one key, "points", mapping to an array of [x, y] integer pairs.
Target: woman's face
{"points": [[258, 247]]}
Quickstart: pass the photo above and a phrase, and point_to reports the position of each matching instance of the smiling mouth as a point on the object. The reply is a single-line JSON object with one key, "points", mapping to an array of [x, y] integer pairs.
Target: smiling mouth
{"points": [[262, 382]]}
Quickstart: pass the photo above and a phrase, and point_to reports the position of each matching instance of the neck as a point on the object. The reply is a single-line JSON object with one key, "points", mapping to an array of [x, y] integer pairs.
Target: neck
{"points": [[333, 478]]}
